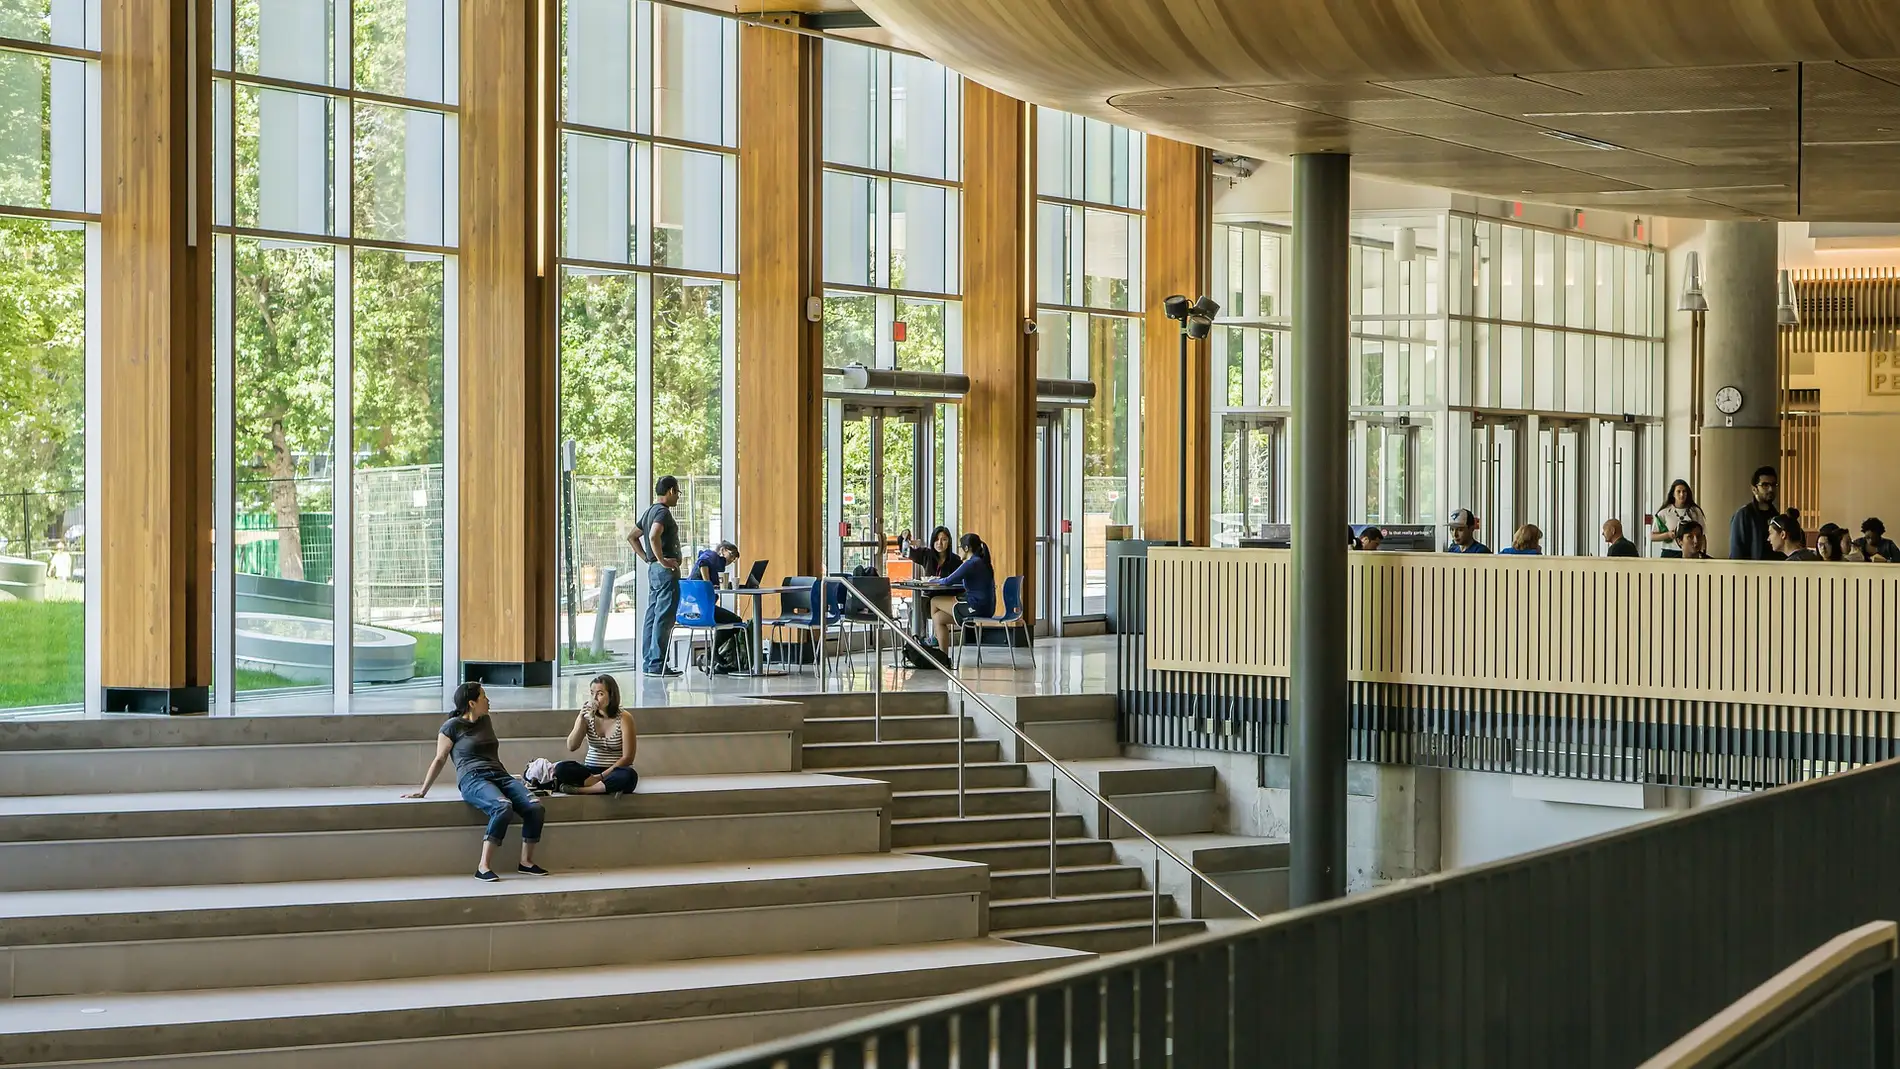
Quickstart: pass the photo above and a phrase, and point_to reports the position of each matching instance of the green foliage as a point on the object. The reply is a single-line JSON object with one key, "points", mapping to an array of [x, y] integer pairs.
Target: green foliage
{"points": [[45, 658], [42, 356]]}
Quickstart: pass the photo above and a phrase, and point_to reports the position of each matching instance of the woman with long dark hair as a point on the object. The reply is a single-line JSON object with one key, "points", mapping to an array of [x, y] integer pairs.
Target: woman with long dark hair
{"points": [[468, 739], [978, 581], [607, 730], [1787, 539], [1678, 508], [939, 558]]}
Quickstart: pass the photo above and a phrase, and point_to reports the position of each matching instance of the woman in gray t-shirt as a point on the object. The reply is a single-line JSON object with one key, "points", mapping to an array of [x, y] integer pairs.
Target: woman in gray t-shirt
{"points": [[468, 739]]}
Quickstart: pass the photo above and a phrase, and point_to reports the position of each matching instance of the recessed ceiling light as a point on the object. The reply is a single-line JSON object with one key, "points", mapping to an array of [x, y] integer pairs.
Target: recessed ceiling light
{"points": [[1586, 142]]}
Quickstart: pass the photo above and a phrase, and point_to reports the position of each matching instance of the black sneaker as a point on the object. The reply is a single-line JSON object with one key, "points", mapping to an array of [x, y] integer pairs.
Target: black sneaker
{"points": [[486, 876], [531, 870]]}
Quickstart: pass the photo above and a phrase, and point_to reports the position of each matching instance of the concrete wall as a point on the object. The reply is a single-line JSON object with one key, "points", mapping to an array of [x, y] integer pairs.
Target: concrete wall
{"points": [[1403, 822], [1484, 819], [1856, 427]]}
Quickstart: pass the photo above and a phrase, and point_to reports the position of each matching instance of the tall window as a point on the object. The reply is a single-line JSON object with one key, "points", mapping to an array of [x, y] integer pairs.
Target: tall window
{"points": [[49, 202], [892, 265], [1089, 177], [648, 317], [334, 208]]}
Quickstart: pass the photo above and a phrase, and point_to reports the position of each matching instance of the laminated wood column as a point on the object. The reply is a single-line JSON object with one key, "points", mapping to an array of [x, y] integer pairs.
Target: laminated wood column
{"points": [[999, 436], [1175, 242], [781, 351], [507, 352], [153, 481]]}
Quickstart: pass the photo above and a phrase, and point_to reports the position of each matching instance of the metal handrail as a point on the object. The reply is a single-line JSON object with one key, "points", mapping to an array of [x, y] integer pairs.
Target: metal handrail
{"points": [[1763, 1015], [964, 692]]}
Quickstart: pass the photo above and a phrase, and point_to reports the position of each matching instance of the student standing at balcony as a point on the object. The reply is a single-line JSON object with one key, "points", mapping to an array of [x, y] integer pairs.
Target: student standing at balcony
{"points": [[1527, 542], [468, 739], [1787, 540], [656, 540], [1678, 508], [1464, 534], [1832, 543], [1614, 542], [1748, 529], [1694, 540], [1873, 546]]}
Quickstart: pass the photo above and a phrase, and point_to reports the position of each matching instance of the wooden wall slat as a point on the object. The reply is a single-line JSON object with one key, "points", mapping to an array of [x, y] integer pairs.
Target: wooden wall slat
{"points": [[1177, 234], [1723, 631]]}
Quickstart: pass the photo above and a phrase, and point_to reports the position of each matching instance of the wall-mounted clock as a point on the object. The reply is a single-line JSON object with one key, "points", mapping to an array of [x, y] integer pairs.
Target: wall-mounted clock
{"points": [[1728, 400]]}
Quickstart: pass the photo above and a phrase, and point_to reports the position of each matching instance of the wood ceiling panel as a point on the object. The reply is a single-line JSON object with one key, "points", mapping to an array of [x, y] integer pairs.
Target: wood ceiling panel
{"points": [[1716, 106]]}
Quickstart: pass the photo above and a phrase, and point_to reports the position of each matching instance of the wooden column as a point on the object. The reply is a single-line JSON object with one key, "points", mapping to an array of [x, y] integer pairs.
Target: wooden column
{"points": [[153, 539], [507, 352], [1176, 242], [781, 352], [999, 416]]}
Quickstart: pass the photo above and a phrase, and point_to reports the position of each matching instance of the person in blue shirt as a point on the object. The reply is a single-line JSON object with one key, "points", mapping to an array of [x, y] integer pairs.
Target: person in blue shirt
{"points": [[711, 565], [1464, 534], [1527, 542], [978, 581]]}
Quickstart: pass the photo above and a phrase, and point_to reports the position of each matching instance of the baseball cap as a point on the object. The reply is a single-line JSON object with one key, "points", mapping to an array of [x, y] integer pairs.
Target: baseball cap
{"points": [[1462, 518]]}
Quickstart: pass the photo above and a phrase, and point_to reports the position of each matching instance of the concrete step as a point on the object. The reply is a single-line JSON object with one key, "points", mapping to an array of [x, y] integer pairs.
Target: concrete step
{"points": [[295, 751], [853, 755], [1254, 870], [860, 703], [1028, 853], [1067, 726], [1010, 884], [895, 729], [202, 837], [1107, 938], [1076, 909], [977, 801], [919, 832], [182, 938], [943, 777], [1162, 813], [477, 1021]]}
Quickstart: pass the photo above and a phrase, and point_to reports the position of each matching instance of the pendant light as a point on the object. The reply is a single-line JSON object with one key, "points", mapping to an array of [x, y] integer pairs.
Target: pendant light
{"points": [[1692, 299]]}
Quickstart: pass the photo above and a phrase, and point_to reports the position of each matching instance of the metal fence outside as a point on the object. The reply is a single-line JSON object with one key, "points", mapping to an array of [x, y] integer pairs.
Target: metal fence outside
{"points": [[36, 524]]}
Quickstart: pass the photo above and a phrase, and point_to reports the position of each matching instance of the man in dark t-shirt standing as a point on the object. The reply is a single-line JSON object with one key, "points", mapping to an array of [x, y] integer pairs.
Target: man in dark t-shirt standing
{"points": [[656, 540]]}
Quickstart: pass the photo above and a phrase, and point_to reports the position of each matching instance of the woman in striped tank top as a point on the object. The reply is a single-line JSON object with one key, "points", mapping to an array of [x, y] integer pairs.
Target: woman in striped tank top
{"points": [[607, 731]]}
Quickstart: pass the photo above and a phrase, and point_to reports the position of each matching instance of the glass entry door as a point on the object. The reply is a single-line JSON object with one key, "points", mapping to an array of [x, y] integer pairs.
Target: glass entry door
{"points": [[1559, 488], [1619, 495], [884, 461], [1253, 476], [1496, 477], [1059, 578]]}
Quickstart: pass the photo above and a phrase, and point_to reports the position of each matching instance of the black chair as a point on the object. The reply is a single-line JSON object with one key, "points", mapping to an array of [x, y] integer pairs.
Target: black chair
{"points": [[875, 589]]}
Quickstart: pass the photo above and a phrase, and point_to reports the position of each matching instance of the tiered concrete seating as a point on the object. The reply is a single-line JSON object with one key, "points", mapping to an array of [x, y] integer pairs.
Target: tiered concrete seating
{"points": [[253, 892]]}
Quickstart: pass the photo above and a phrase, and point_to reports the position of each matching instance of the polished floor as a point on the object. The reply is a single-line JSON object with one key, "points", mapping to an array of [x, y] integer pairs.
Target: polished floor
{"points": [[1060, 666]]}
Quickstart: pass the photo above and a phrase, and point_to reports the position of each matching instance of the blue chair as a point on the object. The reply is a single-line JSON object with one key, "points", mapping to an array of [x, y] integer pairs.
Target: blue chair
{"points": [[696, 616], [1011, 620], [798, 609]]}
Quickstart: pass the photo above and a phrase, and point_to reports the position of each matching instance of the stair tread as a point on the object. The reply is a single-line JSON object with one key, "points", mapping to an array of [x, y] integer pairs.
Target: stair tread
{"points": [[301, 797], [1060, 869], [985, 818], [459, 887], [1084, 896], [1094, 926], [59, 1014], [952, 793]]}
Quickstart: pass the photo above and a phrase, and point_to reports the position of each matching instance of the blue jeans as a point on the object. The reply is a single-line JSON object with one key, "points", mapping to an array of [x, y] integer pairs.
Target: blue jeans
{"points": [[500, 796], [663, 604]]}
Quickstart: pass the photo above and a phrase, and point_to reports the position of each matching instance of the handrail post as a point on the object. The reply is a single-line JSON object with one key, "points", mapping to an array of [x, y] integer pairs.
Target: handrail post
{"points": [[962, 706], [877, 683], [1154, 882], [1052, 833]]}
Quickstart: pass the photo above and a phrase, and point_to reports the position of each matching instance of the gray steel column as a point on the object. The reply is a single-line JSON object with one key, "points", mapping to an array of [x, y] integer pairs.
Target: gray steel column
{"points": [[1318, 691]]}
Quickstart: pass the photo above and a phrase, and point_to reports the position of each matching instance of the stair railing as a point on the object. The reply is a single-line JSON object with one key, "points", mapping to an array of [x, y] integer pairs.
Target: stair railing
{"points": [[965, 694]]}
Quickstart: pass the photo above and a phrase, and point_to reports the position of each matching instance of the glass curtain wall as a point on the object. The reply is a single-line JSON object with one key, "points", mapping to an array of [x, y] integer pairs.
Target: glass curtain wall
{"points": [[49, 202], [1524, 389], [893, 261], [648, 298], [1556, 380], [334, 160], [1089, 181]]}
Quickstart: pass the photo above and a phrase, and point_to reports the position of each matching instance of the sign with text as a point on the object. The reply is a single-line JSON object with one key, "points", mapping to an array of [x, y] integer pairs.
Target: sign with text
{"points": [[1883, 373]]}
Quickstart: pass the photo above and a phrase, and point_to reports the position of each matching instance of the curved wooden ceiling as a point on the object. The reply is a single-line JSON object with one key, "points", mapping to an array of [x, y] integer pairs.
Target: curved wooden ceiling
{"points": [[1710, 108]]}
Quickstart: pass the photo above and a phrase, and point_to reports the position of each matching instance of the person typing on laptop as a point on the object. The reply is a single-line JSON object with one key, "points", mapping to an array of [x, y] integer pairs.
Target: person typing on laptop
{"points": [[711, 566]]}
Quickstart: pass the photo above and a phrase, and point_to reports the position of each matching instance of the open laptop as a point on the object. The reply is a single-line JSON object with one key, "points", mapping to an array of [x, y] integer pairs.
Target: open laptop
{"points": [[757, 573]]}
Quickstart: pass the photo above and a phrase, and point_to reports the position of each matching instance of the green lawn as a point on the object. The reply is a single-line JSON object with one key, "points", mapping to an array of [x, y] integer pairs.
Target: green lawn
{"points": [[43, 661]]}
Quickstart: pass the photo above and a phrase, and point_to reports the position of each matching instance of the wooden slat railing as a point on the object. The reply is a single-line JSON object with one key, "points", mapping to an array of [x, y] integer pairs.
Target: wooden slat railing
{"points": [[1718, 631]]}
